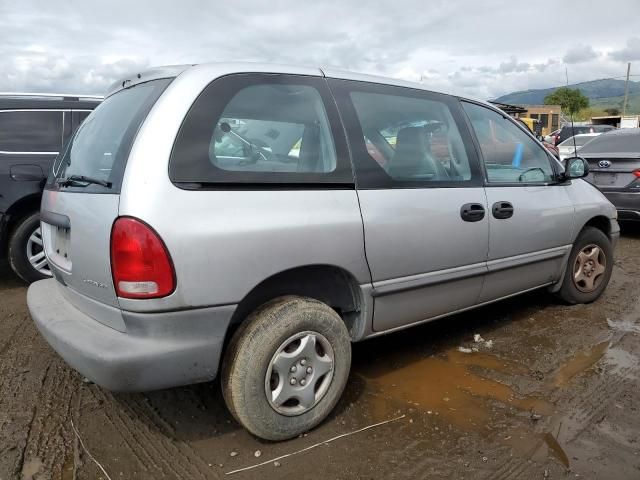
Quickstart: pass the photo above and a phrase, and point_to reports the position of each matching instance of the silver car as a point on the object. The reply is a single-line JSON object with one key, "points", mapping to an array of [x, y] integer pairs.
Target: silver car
{"points": [[254, 220]]}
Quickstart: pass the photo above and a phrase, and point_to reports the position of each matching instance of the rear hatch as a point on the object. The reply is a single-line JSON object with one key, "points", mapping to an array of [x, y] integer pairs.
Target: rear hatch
{"points": [[80, 201]]}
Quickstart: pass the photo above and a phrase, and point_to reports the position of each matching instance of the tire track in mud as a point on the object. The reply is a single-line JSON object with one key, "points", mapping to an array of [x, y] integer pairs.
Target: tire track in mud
{"points": [[50, 440], [22, 375], [36, 390], [152, 449]]}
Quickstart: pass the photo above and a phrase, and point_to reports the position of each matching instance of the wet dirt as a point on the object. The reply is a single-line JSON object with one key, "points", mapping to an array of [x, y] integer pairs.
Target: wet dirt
{"points": [[555, 394]]}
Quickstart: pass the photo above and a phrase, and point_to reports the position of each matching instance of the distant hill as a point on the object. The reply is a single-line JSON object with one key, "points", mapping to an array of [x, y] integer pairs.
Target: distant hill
{"points": [[602, 94], [633, 102]]}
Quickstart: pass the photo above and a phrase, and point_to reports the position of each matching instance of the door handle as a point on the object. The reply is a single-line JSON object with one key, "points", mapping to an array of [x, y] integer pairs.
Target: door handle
{"points": [[502, 210], [472, 212]]}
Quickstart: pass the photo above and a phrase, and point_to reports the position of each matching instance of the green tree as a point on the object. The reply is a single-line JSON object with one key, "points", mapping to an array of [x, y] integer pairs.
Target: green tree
{"points": [[571, 100]]}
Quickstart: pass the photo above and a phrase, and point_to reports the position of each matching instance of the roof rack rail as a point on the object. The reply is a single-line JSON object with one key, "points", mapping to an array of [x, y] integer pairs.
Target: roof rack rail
{"points": [[60, 96]]}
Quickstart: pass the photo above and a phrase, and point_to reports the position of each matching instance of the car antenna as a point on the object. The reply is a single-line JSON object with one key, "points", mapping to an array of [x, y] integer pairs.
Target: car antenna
{"points": [[573, 132]]}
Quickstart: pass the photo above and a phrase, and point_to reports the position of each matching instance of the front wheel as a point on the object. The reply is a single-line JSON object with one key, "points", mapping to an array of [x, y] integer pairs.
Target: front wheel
{"points": [[26, 252], [286, 367], [589, 268]]}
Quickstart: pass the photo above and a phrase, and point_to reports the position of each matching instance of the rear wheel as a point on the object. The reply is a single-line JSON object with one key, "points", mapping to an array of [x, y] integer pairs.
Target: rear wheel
{"points": [[286, 367], [26, 252], [589, 268]]}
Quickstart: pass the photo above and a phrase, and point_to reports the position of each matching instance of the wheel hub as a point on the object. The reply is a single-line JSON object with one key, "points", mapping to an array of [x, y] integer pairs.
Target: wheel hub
{"points": [[299, 373], [589, 268]]}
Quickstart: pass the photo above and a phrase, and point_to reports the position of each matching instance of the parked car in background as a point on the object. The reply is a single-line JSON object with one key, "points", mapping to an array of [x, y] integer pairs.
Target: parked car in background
{"points": [[212, 218], [568, 131], [614, 167], [33, 130], [572, 145]]}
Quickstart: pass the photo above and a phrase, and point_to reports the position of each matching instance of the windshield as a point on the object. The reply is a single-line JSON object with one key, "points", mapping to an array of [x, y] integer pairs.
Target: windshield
{"points": [[101, 145]]}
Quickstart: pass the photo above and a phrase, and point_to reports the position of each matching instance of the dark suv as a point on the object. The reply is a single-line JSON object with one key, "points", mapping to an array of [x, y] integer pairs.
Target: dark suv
{"points": [[33, 129]]}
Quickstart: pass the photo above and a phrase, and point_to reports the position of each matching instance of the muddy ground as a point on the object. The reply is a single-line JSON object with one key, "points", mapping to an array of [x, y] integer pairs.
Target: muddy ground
{"points": [[554, 394]]}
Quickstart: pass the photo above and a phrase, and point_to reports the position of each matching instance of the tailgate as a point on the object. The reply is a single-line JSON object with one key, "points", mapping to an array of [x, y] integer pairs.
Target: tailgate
{"points": [[76, 229]]}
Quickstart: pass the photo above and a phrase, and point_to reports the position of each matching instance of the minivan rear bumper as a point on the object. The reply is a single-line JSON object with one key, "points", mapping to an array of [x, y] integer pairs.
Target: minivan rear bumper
{"points": [[158, 350]]}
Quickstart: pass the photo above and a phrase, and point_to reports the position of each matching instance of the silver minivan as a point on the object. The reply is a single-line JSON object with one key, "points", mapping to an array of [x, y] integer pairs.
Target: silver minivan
{"points": [[254, 220]]}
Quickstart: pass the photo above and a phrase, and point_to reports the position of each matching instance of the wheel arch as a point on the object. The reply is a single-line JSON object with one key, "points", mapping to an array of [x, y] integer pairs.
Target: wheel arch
{"points": [[330, 284], [16, 212], [600, 222]]}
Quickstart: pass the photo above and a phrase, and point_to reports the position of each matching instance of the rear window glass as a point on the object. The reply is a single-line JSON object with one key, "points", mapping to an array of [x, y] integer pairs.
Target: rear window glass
{"points": [[273, 128], [30, 131], [579, 141], [101, 145], [615, 142]]}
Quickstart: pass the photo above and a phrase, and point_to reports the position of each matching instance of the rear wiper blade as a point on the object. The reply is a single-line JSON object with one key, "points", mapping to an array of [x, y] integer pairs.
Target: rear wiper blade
{"points": [[81, 181]]}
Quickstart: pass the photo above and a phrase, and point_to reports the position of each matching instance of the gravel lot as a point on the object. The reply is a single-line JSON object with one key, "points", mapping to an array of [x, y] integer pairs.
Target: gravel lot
{"points": [[552, 392]]}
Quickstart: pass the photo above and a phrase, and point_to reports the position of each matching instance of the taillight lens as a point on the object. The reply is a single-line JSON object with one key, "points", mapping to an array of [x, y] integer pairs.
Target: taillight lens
{"points": [[637, 173], [140, 263]]}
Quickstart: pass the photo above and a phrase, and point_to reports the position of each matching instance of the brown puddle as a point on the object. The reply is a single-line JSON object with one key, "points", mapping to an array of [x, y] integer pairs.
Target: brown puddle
{"points": [[579, 363], [450, 387]]}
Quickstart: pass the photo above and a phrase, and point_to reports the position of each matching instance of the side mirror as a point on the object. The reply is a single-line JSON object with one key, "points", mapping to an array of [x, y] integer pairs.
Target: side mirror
{"points": [[575, 167]]}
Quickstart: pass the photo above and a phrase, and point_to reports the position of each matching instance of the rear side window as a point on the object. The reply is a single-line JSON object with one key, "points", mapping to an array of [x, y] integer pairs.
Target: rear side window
{"points": [[254, 128], [412, 139], [404, 137], [101, 144], [510, 155], [30, 131]]}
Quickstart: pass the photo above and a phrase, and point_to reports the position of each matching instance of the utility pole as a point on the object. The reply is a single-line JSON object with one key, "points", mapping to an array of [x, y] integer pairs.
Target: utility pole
{"points": [[626, 91]]}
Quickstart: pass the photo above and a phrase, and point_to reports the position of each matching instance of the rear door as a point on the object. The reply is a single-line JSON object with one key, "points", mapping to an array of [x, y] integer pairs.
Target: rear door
{"points": [[76, 215], [29, 141], [530, 216], [421, 197]]}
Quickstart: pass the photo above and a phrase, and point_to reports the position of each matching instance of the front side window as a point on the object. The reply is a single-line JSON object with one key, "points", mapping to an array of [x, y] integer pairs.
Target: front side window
{"points": [[258, 128], [510, 155], [411, 139], [30, 131]]}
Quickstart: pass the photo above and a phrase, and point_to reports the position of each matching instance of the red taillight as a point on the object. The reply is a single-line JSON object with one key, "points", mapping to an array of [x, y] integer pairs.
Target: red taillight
{"points": [[636, 173], [140, 264]]}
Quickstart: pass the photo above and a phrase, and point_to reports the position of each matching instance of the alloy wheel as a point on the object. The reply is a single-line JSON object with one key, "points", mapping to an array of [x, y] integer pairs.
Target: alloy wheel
{"points": [[35, 253]]}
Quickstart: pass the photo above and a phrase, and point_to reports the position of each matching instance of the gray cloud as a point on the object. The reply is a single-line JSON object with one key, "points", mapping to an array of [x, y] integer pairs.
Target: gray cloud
{"points": [[579, 54], [80, 46], [513, 65], [628, 53]]}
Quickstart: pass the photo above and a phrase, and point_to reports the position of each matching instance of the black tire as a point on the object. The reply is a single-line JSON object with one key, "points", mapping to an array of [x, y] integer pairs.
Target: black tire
{"points": [[569, 292], [18, 258], [249, 356]]}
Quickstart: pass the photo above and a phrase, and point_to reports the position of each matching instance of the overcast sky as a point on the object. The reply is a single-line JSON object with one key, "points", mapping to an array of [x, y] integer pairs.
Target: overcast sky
{"points": [[475, 47]]}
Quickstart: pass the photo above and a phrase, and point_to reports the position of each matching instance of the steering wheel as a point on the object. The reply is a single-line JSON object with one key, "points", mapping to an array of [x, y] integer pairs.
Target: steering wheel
{"points": [[521, 176]]}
